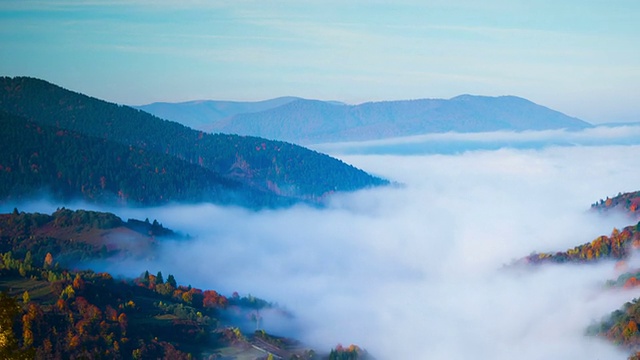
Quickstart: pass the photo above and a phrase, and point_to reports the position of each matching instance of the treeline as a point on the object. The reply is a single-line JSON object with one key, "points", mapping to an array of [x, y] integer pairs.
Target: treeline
{"points": [[618, 246], [627, 202], [627, 280], [277, 167], [351, 352]]}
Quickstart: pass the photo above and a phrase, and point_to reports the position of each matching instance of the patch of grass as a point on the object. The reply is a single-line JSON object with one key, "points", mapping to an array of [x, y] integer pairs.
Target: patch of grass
{"points": [[39, 291], [239, 353]]}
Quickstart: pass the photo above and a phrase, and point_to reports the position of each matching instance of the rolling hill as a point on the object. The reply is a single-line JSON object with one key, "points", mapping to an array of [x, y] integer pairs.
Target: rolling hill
{"points": [[311, 121], [277, 168]]}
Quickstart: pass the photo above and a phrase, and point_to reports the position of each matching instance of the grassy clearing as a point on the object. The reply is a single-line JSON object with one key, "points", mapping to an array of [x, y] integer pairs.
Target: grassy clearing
{"points": [[39, 291], [239, 353]]}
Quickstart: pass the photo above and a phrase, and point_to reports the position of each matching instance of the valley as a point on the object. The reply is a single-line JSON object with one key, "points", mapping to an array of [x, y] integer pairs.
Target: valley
{"points": [[435, 242]]}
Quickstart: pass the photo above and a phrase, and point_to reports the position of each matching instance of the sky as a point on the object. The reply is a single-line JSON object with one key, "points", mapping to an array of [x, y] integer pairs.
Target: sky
{"points": [[578, 57]]}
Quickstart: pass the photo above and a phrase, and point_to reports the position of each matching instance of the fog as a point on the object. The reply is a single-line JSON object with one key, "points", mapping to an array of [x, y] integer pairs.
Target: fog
{"points": [[455, 143], [417, 271]]}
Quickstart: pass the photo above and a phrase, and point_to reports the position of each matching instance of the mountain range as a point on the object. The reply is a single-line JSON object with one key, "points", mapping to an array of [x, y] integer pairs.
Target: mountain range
{"points": [[306, 121], [74, 145]]}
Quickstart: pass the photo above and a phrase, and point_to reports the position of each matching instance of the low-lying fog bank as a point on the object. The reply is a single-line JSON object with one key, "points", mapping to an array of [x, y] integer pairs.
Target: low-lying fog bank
{"points": [[417, 271]]}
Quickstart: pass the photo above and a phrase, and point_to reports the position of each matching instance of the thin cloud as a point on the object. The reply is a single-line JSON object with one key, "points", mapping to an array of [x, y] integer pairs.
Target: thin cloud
{"points": [[448, 143]]}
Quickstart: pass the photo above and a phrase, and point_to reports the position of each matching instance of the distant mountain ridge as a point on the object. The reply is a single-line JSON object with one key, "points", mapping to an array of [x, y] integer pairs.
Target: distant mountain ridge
{"points": [[261, 169], [199, 114], [312, 121]]}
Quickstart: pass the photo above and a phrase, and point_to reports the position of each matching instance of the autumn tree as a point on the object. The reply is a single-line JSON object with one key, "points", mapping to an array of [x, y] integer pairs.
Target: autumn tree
{"points": [[9, 348], [78, 283], [630, 330], [48, 260]]}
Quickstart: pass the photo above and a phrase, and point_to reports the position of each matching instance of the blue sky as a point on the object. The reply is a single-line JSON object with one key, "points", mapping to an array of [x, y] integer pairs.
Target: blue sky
{"points": [[578, 57]]}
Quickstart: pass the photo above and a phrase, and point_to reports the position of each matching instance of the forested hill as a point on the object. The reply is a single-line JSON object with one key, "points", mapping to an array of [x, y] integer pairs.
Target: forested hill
{"points": [[80, 235], [278, 167], [39, 160], [621, 326], [626, 202]]}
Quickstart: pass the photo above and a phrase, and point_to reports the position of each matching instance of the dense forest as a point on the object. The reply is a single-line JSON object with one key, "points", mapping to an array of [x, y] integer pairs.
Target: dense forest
{"points": [[277, 167], [48, 311], [43, 160]]}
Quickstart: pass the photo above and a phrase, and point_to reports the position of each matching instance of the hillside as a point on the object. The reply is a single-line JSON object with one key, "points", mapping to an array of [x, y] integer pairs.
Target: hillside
{"points": [[80, 235], [48, 311], [620, 326], [311, 121], [266, 166], [40, 160], [618, 246]]}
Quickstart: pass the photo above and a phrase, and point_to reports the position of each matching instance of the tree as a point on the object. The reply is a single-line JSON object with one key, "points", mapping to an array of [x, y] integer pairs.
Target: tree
{"points": [[172, 281], [630, 330], [123, 321], [48, 260], [159, 278], [9, 349], [9, 309], [78, 283]]}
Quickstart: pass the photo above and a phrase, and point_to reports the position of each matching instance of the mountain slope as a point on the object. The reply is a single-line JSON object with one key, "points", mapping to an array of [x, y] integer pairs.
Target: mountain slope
{"points": [[277, 167], [311, 121], [68, 165], [49, 311], [201, 113]]}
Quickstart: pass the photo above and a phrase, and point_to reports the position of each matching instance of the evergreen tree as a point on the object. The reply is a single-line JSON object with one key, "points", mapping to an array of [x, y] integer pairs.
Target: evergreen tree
{"points": [[172, 281]]}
